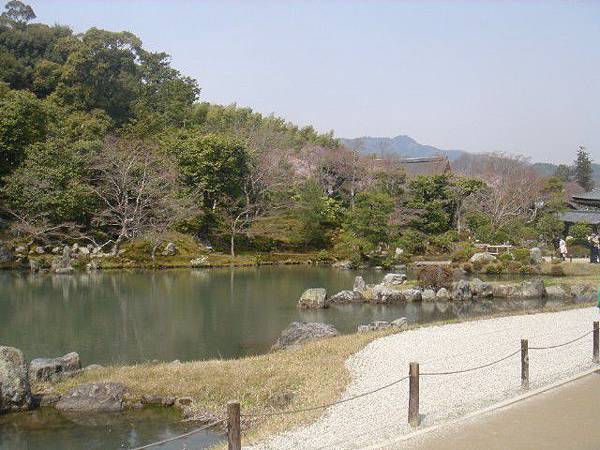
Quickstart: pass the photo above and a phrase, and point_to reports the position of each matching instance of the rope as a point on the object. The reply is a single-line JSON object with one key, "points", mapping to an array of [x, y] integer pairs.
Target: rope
{"points": [[326, 405], [563, 344], [425, 374], [181, 436]]}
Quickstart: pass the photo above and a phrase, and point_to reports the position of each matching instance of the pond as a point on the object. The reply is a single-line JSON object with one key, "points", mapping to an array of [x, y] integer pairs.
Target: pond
{"points": [[127, 317]]}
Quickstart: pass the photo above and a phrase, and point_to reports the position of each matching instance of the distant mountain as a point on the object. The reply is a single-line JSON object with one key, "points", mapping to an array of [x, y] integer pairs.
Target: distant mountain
{"points": [[548, 169], [399, 145]]}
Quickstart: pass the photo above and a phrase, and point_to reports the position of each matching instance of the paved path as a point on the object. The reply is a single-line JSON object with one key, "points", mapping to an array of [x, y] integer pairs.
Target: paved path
{"points": [[567, 417]]}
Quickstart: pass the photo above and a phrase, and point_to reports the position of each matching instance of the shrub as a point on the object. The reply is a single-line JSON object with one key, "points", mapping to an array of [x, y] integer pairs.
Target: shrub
{"points": [[443, 242], [413, 242], [496, 268], [521, 255], [467, 267], [557, 271], [463, 253], [435, 277], [505, 257], [324, 256]]}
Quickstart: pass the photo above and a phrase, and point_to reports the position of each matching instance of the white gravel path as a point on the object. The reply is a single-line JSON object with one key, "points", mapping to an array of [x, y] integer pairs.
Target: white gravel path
{"points": [[381, 416]]}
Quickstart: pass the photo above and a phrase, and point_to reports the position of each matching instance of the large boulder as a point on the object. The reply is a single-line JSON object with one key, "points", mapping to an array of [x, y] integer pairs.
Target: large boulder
{"points": [[557, 292], [346, 265], [535, 254], [392, 279], [502, 291], [62, 264], [383, 294], [459, 274], [50, 369], [412, 295], [461, 291], [583, 292], [531, 289], [428, 295], [299, 333], [94, 397], [346, 297], [442, 295], [401, 323], [359, 284], [5, 254], [481, 289], [170, 249], [482, 258], [15, 393], [315, 298]]}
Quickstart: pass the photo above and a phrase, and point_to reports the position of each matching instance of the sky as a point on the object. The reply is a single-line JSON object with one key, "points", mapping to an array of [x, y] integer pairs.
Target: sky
{"points": [[520, 77]]}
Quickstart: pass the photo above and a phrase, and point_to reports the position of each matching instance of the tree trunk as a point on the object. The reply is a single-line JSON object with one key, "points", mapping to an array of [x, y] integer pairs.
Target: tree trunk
{"points": [[232, 243]]}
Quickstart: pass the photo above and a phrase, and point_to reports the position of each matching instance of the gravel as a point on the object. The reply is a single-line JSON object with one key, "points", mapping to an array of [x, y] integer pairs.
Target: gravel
{"points": [[376, 418]]}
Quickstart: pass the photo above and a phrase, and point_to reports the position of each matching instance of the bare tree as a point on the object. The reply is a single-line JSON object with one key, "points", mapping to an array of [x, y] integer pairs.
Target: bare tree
{"points": [[138, 187]]}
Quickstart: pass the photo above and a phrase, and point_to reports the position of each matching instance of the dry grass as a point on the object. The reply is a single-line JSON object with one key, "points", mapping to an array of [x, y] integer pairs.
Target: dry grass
{"points": [[312, 375]]}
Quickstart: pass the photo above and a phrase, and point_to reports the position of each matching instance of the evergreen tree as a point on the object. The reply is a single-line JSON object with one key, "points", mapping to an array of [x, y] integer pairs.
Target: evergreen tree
{"points": [[583, 170]]}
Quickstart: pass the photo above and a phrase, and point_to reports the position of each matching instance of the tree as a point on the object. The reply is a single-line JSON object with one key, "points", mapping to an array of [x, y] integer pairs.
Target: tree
{"points": [[17, 13], [563, 172], [583, 170], [316, 212]]}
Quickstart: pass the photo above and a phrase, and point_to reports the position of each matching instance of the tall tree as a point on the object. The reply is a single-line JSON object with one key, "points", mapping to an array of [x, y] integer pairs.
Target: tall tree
{"points": [[583, 169]]}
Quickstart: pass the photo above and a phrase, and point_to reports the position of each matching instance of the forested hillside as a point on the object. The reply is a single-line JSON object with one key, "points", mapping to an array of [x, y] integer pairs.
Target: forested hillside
{"points": [[104, 143]]}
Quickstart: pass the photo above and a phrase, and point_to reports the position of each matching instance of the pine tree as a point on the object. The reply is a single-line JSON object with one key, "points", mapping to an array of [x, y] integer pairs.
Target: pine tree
{"points": [[583, 169]]}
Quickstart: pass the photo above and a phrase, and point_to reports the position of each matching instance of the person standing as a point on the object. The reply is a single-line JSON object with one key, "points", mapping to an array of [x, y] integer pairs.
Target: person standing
{"points": [[594, 241], [562, 248]]}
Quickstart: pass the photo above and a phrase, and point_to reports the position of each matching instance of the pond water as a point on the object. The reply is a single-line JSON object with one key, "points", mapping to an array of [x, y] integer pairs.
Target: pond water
{"points": [[126, 317]]}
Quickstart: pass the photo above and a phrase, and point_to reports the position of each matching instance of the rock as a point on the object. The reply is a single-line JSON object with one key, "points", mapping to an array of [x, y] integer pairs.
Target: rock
{"points": [[52, 369], [158, 400], [384, 294], [299, 333], [94, 397], [62, 264], [482, 258], [583, 292], [531, 289], [169, 250], [398, 252], [15, 393], [442, 295], [40, 250], [481, 289], [183, 402], [556, 292], [347, 265], [34, 265], [91, 266], [74, 247], [391, 279], [461, 291], [502, 291], [359, 284], [363, 328], [412, 295], [5, 253], [45, 399], [200, 261], [93, 367], [535, 254], [459, 274], [84, 251], [20, 249], [401, 323], [346, 297], [56, 250], [428, 295], [315, 298]]}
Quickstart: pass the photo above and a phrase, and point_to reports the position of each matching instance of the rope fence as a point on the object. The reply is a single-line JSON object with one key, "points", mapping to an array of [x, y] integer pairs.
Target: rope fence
{"points": [[234, 415]]}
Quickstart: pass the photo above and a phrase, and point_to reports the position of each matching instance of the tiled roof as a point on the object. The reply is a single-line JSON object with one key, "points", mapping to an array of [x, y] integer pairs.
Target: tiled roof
{"points": [[581, 216]]}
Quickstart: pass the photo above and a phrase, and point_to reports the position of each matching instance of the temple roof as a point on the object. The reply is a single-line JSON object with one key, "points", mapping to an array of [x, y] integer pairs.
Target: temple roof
{"points": [[581, 216], [435, 165], [592, 195]]}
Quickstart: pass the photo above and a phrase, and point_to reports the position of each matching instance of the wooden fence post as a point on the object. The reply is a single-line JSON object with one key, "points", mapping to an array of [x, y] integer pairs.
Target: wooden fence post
{"points": [[524, 364], [413, 395], [234, 439], [596, 342]]}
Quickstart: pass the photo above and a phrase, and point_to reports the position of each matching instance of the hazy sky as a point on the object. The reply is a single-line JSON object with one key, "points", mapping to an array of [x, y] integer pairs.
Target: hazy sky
{"points": [[522, 77]]}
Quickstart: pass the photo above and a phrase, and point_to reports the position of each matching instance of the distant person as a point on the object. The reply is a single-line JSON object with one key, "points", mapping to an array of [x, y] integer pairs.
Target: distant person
{"points": [[594, 241], [562, 248]]}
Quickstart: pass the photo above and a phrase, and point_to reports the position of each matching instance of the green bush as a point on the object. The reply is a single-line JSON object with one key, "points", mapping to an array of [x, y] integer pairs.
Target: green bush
{"points": [[521, 255], [413, 242], [443, 242], [463, 252], [495, 268], [505, 257], [434, 277]]}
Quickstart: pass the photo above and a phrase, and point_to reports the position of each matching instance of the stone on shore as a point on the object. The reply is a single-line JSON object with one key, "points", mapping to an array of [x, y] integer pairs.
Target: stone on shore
{"points": [[170, 249], [531, 289], [557, 292], [442, 295], [502, 291], [383, 294], [583, 292], [94, 397], [15, 393], [428, 295], [461, 291], [347, 265], [298, 333], [346, 297], [481, 289], [359, 284], [535, 254], [412, 295], [314, 298], [52, 369], [62, 264], [392, 279], [401, 323], [482, 258]]}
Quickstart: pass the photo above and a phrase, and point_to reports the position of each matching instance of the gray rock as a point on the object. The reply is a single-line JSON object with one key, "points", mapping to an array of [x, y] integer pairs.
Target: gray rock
{"points": [[20, 249], [442, 295], [459, 274], [315, 298], [535, 254], [461, 291], [170, 249], [94, 397], [412, 295], [583, 292], [5, 253], [531, 289], [84, 251], [481, 289], [158, 400], [34, 265], [347, 265], [56, 250], [74, 247], [428, 295], [503, 291], [15, 393], [363, 328], [384, 294], [51, 369], [346, 297], [401, 323], [93, 367], [299, 333], [376, 325], [391, 279], [40, 250], [482, 258], [556, 292], [62, 264], [359, 284]]}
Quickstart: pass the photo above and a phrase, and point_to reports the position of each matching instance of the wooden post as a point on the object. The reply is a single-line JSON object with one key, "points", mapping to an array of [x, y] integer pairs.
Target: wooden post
{"points": [[413, 395], [524, 364], [234, 439], [596, 342]]}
